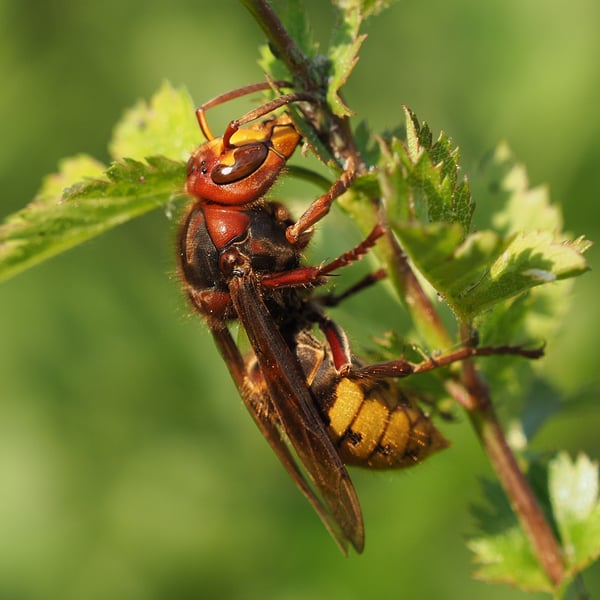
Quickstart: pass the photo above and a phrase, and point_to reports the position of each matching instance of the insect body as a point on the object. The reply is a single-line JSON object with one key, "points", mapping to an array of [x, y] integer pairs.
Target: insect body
{"points": [[235, 261], [294, 383], [371, 421], [240, 259], [257, 231]]}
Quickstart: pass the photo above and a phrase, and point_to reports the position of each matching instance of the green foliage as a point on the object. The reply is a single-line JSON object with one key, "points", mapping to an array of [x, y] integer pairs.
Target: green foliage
{"points": [[575, 502], [430, 209], [333, 67], [366, 7], [501, 549], [493, 277], [568, 490], [343, 55], [165, 126], [48, 225], [85, 199], [346, 42]]}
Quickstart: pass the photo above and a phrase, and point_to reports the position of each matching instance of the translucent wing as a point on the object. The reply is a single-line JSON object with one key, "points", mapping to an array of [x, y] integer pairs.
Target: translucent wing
{"points": [[293, 412]]}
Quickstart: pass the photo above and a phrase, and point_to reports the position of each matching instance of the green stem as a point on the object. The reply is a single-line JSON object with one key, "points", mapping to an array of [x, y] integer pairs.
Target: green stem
{"points": [[422, 312]]}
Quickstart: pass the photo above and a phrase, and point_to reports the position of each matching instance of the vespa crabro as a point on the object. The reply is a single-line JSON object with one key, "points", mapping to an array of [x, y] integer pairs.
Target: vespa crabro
{"points": [[240, 259]]}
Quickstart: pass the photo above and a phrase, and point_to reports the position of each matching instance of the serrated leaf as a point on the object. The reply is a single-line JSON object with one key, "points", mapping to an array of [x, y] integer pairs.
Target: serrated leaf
{"points": [[369, 149], [55, 222], [484, 269], [537, 314], [530, 319], [23, 239], [84, 199], [334, 69], [503, 183], [574, 496], [343, 54], [570, 491], [430, 209], [528, 259], [507, 558], [271, 65], [70, 171], [426, 178], [165, 126]]}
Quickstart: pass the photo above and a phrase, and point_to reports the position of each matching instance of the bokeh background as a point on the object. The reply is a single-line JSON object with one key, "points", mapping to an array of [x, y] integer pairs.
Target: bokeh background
{"points": [[129, 468]]}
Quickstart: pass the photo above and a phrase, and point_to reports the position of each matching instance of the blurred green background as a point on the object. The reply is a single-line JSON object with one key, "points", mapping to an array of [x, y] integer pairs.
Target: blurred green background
{"points": [[129, 468]]}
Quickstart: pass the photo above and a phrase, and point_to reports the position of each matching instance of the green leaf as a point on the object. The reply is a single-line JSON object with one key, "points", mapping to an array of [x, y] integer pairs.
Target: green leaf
{"points": [[294, 17], [369, 149], [507, 558], [431, 188], [502, 184], [343, 53], [345, 45], [271, 65], [536, 314], [501, 550], [366, 7], [566, 489], [55, 222], [430, 209], [34, 233], [529, 319], [484, 269], [164, 126], [334, 69], [574, 496], [84, 199]]}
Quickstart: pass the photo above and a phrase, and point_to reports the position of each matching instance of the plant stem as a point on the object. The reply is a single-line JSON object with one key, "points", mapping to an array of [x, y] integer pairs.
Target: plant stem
{"points": [[469, 391], [485, 422], [285, 47], [519, 492]]}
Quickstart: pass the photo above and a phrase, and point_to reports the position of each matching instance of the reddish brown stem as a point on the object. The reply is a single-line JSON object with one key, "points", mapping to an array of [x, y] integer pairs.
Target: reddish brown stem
{"points": [[285, 47], [523, 501]]}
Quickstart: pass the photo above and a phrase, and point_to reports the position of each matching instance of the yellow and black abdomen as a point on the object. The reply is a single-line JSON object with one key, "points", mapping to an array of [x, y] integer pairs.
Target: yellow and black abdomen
{"points": [[374, 424], [371, 421]]}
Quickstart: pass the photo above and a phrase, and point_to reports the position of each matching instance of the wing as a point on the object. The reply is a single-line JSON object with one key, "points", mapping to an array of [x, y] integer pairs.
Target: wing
{"points": [[271, 432], [297, 417]]}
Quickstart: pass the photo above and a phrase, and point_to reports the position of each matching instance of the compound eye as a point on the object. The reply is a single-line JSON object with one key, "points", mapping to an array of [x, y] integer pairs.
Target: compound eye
{"points": [[246, 160]]}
